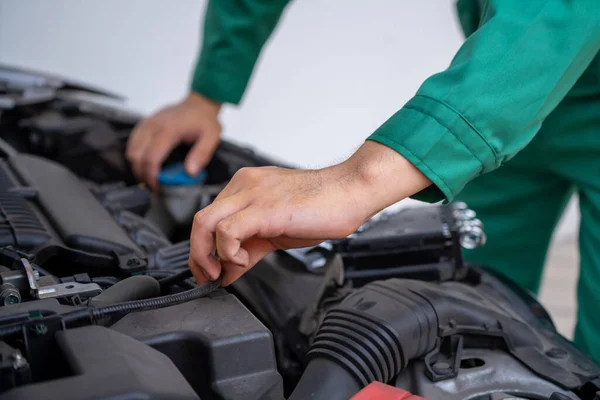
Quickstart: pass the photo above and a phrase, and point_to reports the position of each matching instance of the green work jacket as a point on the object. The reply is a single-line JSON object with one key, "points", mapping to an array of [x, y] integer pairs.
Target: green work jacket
{"points": [[519, 60]]}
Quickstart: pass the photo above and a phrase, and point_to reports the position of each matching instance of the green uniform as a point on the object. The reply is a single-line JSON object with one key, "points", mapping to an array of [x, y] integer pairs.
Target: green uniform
{"points": [[528, 74]]}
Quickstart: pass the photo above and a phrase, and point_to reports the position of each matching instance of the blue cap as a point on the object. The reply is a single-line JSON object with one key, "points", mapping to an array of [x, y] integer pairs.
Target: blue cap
{"points": [[175, 175]]}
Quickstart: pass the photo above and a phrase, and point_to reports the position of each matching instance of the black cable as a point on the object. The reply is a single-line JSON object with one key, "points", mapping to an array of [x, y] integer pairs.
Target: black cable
{"points": [[105, 280], [96, 314], [91, 315], [167, 279], [175, 278], [158, 274], [187, 284]]}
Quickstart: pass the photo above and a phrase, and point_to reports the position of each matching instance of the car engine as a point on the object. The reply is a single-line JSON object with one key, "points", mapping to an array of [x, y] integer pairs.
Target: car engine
{"points": [[97, 302]]}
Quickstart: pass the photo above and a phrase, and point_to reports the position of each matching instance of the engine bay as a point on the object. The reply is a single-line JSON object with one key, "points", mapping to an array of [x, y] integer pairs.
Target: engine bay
{"points": [[97, 302]]}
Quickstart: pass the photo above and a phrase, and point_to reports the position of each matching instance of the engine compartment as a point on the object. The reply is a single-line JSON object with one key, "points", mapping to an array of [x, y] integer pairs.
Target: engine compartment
{"points": [[96, 301]]}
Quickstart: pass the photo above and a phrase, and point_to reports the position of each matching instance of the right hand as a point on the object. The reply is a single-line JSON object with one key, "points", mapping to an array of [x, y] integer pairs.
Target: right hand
{"points": [[269, 208], [193, 120]]}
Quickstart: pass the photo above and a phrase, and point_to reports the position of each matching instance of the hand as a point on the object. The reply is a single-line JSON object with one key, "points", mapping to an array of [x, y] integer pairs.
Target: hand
{"points": [[270, 208], [194, 120]]}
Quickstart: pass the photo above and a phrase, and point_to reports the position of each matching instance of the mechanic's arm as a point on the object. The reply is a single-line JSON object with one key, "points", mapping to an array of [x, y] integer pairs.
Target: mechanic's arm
{"points": [[466, 121], [234, 34]]}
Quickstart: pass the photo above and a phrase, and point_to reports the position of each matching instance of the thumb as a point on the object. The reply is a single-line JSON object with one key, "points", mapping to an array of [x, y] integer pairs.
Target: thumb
{"points": [[201, 153]]}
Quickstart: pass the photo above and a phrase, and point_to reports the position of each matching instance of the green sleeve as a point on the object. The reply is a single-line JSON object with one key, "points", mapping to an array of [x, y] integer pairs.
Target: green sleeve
{"points": [[491, 101], [234, 34]]}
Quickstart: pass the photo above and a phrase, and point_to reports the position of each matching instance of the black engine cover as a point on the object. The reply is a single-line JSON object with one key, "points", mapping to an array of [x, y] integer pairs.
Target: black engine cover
{"points": [[212, 348]]}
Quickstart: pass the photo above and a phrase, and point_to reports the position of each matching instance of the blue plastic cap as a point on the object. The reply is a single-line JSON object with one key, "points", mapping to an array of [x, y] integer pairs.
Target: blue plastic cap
{"points": [[175, 175]]}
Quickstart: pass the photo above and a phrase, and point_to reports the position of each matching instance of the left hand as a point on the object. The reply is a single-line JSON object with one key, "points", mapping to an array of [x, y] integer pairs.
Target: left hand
{"points": [[270, 208]]}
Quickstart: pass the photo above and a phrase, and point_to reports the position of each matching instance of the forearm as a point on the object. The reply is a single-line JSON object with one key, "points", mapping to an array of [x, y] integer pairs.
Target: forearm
{"points": [[235, 32], [501, 85], [377, 177]]}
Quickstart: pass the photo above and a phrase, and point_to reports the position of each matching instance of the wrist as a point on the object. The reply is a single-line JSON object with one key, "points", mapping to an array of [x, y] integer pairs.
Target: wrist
{"points": [[378, 177], [200, 101]]}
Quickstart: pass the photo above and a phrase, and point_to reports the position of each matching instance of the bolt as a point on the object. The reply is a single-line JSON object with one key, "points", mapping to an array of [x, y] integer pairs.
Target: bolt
{"points": [[471, 237], [11, 299], [9, 295], [36, 275], [446, 231], [460, 205], [441, 368], [464, 215]]}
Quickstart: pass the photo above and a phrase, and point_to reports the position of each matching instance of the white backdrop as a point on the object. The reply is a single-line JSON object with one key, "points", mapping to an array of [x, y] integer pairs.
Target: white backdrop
{"points": [[332, 73]]}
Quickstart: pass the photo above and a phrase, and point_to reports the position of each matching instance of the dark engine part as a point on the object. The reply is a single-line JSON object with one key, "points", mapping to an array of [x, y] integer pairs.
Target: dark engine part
{"points": [[49, 213], [422, 242], [109, 364], [393, 302], [209, 348], [377, 331], [417, 243], [86, 128]]}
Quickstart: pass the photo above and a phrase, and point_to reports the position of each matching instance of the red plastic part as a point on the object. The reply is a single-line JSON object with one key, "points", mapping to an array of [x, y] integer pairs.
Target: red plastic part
{"points": [[380, 391]]}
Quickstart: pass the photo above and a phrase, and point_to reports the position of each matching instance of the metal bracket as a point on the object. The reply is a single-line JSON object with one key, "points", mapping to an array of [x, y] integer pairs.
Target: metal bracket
{"points": [[443, 362], [67, 289]]}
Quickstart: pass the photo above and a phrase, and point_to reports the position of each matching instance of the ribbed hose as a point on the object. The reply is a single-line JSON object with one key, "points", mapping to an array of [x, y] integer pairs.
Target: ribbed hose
{"points": [[371, 336], [324, 379], [91, 315]]}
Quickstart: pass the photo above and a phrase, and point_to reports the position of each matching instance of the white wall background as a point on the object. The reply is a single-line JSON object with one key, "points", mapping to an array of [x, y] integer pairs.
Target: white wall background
{"points": [[332, 73]]}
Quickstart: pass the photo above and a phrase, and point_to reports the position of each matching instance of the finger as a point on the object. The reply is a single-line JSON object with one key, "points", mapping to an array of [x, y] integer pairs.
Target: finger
{"points": [[136, 136], [202, 239], [232, 231], [158, 149], [200, 154], [257, 250], [137, 146], [204, 268]]}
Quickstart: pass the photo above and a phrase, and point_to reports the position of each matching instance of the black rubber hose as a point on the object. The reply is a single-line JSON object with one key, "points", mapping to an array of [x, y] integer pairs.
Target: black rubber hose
{"points": [[132, 288], [91, 315], [324, 379]]}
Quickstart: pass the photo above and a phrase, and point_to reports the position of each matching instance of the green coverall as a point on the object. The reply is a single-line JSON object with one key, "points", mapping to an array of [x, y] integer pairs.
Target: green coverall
{"points": [[523, 92]]}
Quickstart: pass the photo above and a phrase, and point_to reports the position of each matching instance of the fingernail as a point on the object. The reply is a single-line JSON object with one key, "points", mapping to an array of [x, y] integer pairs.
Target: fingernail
{"points": [[208, 276], [241, 258], [192, 168]]}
